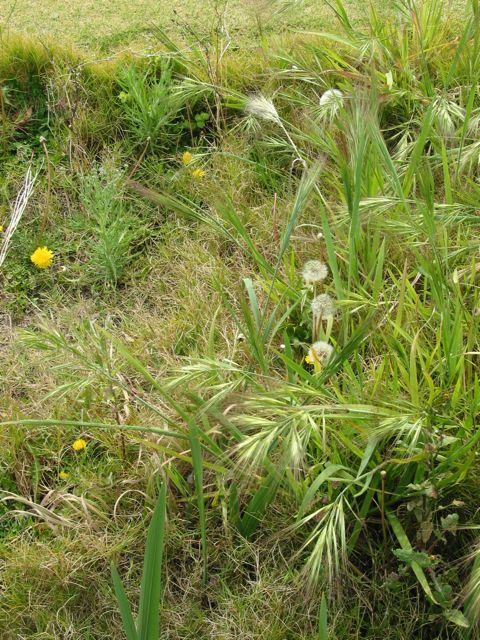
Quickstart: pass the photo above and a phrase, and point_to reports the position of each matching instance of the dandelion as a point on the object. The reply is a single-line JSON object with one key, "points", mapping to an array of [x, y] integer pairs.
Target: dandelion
{"points": [[262, 108], [79, 445], [63, 475], [323, 306], [198, 173], [1, 228], [42, 258], [319, 353], [331, 97], [186, 157], [314, 271]]}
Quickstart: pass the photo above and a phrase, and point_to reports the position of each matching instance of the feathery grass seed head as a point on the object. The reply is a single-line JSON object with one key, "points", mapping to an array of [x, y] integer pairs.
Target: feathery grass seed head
{"points": [[331, 96], [262, 108]]}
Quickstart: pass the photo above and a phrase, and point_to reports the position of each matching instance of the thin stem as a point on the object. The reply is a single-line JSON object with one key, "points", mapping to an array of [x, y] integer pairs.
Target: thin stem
{"points": [[46, 211], [139, 161]]}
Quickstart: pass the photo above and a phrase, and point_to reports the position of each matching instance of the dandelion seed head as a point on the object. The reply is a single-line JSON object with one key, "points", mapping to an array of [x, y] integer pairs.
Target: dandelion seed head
{"points": [[262, 108], [323, 306], [314, 271], [42, 258], [319, 352]]}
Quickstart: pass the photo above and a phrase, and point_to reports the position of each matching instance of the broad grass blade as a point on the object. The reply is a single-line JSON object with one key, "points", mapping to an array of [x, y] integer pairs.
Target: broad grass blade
{"points": [[124, 606], [148, 617]]}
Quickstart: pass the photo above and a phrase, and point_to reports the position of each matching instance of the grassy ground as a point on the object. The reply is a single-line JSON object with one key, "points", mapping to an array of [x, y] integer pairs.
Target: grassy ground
{"points": [[104, 25], [177, 337]]}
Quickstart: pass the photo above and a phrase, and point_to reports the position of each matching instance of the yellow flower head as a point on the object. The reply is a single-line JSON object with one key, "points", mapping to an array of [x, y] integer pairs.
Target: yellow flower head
{"points": [[42, 258], [198, 173], [63, 475], [79, 444], [1, 228], [186, 157], [309, 359]]}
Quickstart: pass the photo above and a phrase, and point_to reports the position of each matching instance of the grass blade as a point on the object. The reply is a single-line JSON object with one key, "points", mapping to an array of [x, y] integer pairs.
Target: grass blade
{"points": [[323, 620], [148, 623], [124, 606]]}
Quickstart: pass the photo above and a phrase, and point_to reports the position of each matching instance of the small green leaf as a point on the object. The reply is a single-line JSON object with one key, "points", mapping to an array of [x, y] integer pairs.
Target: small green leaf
{"points": [[406, 546], [457, 617]]}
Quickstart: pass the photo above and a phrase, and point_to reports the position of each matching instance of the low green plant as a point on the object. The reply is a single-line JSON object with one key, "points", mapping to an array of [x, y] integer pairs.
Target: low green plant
{"points": [[108, 226]]}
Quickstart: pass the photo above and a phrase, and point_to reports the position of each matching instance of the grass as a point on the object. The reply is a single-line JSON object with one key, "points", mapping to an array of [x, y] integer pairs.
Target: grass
{"points": [[115, 25], [311, 490]]}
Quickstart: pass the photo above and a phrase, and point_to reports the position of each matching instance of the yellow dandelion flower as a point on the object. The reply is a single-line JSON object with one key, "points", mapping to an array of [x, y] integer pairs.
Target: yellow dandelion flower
{"points": [[198, 173], [63, 475], [42, 258], [309, 359], [186, 157], [1, 228], [79, 444]]}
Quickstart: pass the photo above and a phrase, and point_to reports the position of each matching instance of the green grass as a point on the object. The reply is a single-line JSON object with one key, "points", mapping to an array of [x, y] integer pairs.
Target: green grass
{"points": [[114, 25], [327, 497]]}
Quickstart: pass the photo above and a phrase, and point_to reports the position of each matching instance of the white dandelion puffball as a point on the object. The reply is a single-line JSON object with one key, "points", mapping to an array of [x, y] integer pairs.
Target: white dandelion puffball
{"points": [[320, 352], [323, 306], [262, 108], [314, 271], [331, 96]]}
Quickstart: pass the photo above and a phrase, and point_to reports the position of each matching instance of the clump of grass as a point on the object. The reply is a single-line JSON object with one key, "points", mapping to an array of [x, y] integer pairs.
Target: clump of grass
{"points": [[150, 104]]}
